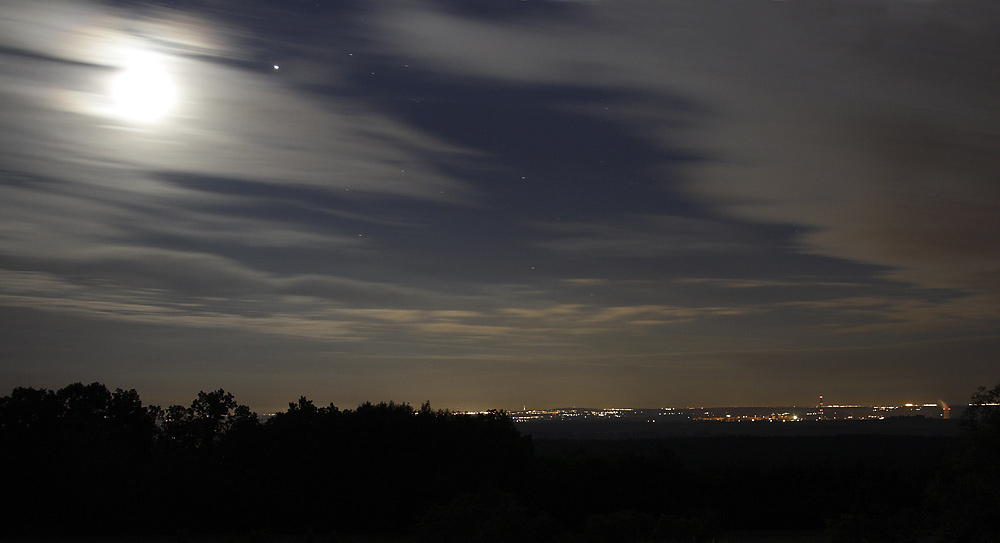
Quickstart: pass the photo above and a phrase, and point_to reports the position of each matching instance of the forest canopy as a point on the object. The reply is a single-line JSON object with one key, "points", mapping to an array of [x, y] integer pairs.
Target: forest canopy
{"points": [[86, 460], [90, 460]]}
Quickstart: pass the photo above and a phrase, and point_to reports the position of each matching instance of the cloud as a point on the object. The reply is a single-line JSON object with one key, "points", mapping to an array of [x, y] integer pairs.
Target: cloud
{"points": [[645, 236], [595, 191], [916, 197], [229, 122], [905, 317], [191, 290], [869, 126], [735, 283]]}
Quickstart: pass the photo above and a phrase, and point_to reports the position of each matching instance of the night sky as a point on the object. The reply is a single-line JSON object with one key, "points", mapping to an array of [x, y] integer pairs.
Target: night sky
{"points": [[498, 203]]}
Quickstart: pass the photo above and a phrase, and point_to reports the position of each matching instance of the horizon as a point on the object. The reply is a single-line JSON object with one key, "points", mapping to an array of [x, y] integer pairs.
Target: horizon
{"points": [[527, 407], [267, 410]]}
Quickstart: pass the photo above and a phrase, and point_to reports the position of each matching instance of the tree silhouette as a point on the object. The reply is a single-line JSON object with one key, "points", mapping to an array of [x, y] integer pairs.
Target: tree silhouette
{"points": [[968, 493], [75, 455], [211, 416], [83, 460]]}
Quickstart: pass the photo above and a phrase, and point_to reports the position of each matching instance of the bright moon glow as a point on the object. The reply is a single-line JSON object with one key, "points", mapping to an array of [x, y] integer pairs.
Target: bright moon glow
{"points": [[143, 91]]}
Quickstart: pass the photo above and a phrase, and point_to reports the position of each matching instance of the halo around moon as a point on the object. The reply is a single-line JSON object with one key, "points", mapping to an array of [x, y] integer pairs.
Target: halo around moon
{"points": [[143, 91]]}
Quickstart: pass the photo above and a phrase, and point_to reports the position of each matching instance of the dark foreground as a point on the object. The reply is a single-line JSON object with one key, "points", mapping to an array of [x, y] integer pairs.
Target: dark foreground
{"points": [[782, 536], [85, 462]]}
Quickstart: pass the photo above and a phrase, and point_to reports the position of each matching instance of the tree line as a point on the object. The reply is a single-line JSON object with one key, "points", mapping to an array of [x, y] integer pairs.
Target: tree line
{"points": [[85, 460]]}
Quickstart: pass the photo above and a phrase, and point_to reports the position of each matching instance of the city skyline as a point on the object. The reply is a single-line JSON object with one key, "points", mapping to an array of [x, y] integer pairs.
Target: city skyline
{"points": [[493, 203]]}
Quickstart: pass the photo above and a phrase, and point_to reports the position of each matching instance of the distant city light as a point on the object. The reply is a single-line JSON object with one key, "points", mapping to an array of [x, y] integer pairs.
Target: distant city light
{"points": [[850, 412]]}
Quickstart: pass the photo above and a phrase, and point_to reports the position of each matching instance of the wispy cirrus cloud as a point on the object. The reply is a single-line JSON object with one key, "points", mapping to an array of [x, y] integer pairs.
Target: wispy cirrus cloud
{"points": [[645, 236], [619, 200]]}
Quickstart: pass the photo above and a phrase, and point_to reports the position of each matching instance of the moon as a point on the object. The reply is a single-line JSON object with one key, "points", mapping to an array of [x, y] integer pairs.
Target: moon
{"points": [[143, 92]]}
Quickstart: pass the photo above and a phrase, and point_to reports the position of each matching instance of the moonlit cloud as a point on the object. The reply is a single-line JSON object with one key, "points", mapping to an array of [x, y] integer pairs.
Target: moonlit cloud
{"points": [[488, 204], [646, 236]]}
